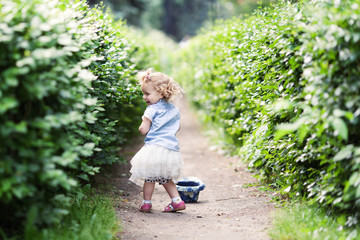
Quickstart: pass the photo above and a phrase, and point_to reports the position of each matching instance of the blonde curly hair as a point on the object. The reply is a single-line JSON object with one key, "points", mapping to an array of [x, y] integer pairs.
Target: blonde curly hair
{"points": [[162, 83]]}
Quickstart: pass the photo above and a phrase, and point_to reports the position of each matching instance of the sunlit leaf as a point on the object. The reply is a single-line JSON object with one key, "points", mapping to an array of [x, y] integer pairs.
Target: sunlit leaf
{"points": [[344, 153], [340, 126]]}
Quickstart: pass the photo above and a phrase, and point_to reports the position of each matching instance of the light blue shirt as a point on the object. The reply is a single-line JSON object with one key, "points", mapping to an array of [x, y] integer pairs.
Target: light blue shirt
{"points": [[165, 122]]}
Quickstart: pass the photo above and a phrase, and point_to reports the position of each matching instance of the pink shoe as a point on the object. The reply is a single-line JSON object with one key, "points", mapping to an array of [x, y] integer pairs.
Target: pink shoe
{"points": [[173, 207], [145, 207]]}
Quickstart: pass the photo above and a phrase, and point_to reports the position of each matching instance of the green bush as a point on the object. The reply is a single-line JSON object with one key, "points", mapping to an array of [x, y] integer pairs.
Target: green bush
{"points": [[330, 116], [115, 88], [282, 84], [66, 103], [44, 107]]}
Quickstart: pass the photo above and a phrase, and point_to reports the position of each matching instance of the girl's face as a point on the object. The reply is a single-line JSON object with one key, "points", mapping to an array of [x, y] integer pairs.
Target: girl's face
{"points": [[151, 96]]}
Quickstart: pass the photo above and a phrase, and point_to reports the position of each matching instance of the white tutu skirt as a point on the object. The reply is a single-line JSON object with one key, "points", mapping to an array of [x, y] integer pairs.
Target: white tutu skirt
{"points": [[153, 161]]}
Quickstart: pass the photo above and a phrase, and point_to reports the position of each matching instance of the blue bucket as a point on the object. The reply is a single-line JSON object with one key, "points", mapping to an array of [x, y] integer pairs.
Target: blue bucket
{"points": [[189, 188]]}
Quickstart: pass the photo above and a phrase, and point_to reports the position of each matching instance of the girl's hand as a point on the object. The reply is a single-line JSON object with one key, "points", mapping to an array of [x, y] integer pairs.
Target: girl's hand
{"points": [[144, 126]]}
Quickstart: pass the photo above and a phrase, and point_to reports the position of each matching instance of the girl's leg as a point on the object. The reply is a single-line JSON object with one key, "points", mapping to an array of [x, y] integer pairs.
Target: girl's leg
{"points": [[176, 203], [171, 189], [148, 190]]}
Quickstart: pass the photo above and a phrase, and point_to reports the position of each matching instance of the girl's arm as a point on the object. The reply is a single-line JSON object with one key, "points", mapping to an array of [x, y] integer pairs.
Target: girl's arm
{"points": [[144, 126]]}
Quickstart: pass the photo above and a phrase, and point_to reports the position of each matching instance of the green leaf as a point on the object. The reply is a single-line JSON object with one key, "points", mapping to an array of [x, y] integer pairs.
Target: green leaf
{"points": [[282, 104], [7, 103], [341, 219], [344, 153], [355, 179], [303, 131], [357, 192], [21, 127], [89, 101], [286, 128], [87, 149], [340, 126], [286, 190]]}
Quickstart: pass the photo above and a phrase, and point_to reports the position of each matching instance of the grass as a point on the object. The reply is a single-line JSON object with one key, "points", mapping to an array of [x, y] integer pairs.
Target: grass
{"points": [[91, 218], [299, 221]]}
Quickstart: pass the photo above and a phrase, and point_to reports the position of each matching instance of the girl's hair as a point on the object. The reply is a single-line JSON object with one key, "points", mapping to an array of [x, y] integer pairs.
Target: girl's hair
{"points": [[162, 83]]}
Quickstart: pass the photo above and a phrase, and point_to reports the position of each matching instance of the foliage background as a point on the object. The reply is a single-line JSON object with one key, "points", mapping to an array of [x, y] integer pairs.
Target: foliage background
{"points": [[281, 85], [68, 98], [179, 19]]}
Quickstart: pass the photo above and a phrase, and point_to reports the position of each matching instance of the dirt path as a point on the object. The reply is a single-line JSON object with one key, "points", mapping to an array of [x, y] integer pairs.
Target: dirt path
{"points": [[225, 210]]}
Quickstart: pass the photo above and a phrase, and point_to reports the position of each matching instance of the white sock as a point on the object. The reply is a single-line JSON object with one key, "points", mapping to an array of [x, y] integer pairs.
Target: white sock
{"points": [[146, 201], [176, 199]]}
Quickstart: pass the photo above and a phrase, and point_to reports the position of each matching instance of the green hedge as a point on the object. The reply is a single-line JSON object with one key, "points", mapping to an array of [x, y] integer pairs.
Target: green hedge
{"points": [[283, 86], [118, 98], [67, 101]]}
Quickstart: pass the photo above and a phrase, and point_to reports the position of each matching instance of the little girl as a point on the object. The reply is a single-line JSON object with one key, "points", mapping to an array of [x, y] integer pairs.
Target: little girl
{"points": [[159, 160]]}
